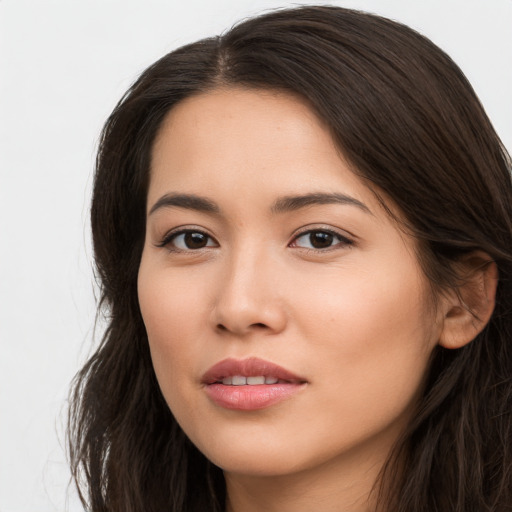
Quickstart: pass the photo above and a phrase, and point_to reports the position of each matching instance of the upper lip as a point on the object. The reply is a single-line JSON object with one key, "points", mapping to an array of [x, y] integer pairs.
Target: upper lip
{"points": [[250, 367]]}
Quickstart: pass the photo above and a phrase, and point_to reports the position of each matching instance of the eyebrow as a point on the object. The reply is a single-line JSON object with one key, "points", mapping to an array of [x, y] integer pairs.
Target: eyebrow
{"points": [[291, 203], [281, 205], [187, 201]]}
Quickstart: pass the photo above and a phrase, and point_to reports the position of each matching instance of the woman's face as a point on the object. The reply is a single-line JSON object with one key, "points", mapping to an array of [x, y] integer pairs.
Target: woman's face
{"points": [[266, 259]]}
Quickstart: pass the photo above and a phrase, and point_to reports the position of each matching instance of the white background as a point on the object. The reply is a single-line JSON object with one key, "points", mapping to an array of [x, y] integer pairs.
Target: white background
{"points": [[63, 66]]}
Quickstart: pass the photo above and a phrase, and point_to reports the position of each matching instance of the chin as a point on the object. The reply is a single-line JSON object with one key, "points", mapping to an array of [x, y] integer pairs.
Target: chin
{"points": [[257, 463], [249, 454]]}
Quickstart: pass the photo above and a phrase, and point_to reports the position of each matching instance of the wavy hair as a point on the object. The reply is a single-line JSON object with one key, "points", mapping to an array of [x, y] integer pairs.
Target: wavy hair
{"points": [[408, 121]]}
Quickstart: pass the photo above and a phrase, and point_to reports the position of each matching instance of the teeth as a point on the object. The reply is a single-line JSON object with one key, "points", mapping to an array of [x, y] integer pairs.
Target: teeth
{"points": [[240, 380], [256, 380]]}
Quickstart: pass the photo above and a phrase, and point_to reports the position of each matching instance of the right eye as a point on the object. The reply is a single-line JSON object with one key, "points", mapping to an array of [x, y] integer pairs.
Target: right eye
{"points": [[188, 240]]}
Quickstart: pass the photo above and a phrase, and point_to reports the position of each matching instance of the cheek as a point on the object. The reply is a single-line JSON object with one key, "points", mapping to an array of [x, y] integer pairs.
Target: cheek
{"points": [[374, 334], [164, 305], [172, 316], [171, 300], [364, 306]]}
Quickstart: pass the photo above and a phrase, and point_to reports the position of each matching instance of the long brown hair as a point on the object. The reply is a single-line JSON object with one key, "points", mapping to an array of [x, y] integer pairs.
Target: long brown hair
{"points": [[410, 124]]}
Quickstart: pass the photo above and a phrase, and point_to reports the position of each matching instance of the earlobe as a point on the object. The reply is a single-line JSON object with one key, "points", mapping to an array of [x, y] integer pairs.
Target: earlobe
{"points": [[468, 309]]}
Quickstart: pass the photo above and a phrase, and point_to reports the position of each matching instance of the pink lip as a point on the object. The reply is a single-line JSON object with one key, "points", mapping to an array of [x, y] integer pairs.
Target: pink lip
{"points": [[250, 397]]}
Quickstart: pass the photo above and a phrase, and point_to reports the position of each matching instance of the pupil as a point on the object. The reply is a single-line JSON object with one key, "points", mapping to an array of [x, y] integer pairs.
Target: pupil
{"points": [[195, 240], [320, 240]]}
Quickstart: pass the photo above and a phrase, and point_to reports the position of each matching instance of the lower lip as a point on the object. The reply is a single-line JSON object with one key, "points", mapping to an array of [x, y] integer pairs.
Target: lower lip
{"points": [[251, 398]]}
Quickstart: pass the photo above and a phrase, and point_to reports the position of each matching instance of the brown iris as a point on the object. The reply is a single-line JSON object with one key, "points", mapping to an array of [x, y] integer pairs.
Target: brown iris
{"points": [[195, 240], [321, 239]]}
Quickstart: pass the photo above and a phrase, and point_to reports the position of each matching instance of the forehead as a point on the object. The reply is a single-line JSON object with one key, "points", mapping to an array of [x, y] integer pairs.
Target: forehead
{"points": [[248, 140], [262, 118]]}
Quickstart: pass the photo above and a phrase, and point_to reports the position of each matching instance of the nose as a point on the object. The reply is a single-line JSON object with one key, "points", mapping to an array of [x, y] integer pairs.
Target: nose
{"points": [[249, 298]]}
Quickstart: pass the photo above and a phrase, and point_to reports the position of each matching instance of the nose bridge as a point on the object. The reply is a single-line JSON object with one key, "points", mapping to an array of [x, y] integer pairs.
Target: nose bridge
{"points": [[248, 298]]}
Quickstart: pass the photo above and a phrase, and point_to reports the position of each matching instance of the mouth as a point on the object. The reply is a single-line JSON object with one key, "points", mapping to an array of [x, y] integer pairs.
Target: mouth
{"points": [[251, 372], [250, 384]]}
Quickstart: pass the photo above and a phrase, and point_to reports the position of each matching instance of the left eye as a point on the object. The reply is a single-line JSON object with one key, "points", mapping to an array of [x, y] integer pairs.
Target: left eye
{"points": [[320, 239]]}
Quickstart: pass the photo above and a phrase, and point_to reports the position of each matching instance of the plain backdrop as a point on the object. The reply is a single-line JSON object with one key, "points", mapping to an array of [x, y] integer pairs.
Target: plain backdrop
{"points": [[63, 66]]}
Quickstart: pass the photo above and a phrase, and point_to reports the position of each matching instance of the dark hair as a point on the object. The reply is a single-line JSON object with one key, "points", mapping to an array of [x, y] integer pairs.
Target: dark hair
{"points": [[410, 124]]}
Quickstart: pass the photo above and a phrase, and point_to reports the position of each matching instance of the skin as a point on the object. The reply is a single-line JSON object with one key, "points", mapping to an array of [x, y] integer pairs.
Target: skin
{"points": [[354, 319]]}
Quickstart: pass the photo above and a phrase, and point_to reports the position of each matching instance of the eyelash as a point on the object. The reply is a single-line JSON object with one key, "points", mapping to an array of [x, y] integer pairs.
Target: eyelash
{"points": [[173, 235]]}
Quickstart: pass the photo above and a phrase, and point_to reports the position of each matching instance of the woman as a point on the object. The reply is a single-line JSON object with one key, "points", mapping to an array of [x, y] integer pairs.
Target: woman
{"points": [[303, 233]]}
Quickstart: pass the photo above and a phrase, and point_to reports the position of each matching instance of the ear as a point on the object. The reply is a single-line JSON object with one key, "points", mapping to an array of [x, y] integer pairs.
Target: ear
{"points": [[468, 309]]}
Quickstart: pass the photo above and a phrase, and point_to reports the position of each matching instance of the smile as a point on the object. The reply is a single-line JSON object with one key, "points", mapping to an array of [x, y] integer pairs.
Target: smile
{"points": [[249, 384]]}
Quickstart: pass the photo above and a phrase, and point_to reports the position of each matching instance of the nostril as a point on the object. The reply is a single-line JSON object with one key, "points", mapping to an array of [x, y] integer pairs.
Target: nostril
{"points": [[257, 326]]}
